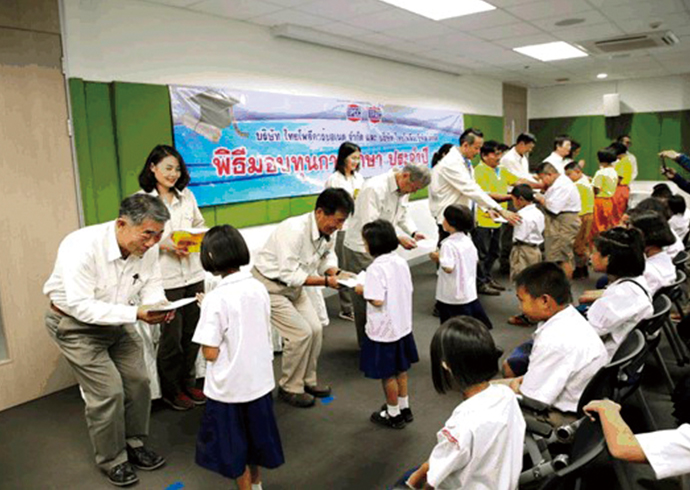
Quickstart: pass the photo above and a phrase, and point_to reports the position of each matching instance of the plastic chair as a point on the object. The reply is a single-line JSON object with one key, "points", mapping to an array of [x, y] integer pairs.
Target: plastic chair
{"points": [[652, 327], [681, 259], [675, 294]]}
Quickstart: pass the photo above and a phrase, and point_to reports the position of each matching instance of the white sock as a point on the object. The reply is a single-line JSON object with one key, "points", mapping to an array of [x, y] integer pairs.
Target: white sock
{"points": [[404, 402], [393, 410], [256, 486]]}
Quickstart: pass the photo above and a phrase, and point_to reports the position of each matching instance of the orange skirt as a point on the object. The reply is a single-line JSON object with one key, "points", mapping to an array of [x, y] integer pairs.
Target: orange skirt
{"points": [[604, 217], [620, 201]]}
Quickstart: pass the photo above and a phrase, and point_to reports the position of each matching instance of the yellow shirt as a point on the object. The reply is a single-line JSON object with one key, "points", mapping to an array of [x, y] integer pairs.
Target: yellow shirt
{"points": [[492, 181], [606, 180], [584, 187], [624, 169]]}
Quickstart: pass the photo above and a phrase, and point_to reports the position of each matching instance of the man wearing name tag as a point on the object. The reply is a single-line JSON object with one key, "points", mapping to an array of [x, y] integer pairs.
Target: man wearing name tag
{"points": [[103, 276]]}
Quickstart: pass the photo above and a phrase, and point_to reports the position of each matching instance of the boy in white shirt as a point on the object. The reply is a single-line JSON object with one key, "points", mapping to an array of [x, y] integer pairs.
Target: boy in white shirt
{"points": [[566, 353], [561, 201], [680, 219]]}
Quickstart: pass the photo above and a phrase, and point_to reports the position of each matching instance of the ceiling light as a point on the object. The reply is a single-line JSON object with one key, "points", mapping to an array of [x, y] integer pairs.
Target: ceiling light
{"points": [[551, 51], [601, 76], [442, 9]]}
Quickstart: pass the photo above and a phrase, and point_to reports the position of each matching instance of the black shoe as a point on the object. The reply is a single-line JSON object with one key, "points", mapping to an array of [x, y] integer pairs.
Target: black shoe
{"points": [[299, 400], [122, 475], [435, 312], [405, 412], [383, 418], [318, 391], [487, 290], [144, 458], [496, 285]]}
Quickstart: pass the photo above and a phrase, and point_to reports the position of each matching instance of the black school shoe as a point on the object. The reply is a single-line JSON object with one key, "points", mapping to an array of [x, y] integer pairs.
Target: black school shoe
{"points": [[144, 458], [405, 412], [383, 418], [122, 475]]}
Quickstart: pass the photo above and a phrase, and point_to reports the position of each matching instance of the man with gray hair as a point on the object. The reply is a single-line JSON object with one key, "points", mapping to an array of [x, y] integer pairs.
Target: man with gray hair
{"points": [[106, 277], [386, 197]]}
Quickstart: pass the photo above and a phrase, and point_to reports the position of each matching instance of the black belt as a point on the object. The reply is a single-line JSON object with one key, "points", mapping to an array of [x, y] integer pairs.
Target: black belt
{"points": [[519, 242]]}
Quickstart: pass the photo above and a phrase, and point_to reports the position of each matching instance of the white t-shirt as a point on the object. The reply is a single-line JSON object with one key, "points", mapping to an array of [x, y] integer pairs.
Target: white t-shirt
{"points": [[659, 272], [480, 445], [531, 228], [668, 451], [235, 317], [458, 287], [680, 223], [623, 305], [388, 279], [566, 355], [562, 197]]}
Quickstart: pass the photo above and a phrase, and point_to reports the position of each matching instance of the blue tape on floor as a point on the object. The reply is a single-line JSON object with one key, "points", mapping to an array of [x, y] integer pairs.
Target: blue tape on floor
{"points": [[327, 400], [175, 486]]}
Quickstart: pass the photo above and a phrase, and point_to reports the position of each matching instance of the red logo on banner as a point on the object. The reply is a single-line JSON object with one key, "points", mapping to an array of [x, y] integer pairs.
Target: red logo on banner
{"points": [[375, 114], [354, 113]]}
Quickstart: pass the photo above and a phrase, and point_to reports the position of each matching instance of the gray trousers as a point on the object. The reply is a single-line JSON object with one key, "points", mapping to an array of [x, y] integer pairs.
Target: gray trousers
{"points": [[356, 262], [108, 362], [345, 295]]}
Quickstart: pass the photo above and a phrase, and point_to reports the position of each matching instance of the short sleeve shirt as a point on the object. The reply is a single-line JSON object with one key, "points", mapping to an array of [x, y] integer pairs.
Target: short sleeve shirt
{"points": [[492, 181], [388, 279]]}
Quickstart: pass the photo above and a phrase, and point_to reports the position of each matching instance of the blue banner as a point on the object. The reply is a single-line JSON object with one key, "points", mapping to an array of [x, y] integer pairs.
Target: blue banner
{"points": [[248, 146]]}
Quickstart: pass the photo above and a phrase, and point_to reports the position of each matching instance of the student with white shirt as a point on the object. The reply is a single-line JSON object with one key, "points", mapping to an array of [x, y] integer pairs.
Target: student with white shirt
{"points": [[106, 277], [680, 216], [659, 269], [238, 432], [660, 206], [385, 196], [561, 203], [667, 451], [165, 175], [480, 446], [346, 176], [298, 254], [619, 252], [566, 351], [456, 288], [389, 349], [561, 150]]}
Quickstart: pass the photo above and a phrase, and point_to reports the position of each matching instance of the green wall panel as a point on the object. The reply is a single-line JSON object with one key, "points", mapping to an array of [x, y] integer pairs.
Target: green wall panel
{"points": [[241, 215], [277, 210], [301, 205], [209, 214], [142, 121]]}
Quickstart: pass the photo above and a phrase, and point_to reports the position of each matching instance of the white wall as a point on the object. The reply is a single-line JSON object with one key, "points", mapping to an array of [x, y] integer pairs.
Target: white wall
{"points": [[643, 95], [134, 41]]}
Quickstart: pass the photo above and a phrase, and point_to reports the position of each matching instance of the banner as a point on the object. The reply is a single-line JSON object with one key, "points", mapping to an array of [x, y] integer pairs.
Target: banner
{"points": [[248, 146]]}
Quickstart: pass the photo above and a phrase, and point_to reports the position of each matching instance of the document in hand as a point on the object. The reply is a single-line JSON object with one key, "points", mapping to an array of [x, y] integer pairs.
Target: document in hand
{"points": [[190, 238], [174, 305], [352, 281]]}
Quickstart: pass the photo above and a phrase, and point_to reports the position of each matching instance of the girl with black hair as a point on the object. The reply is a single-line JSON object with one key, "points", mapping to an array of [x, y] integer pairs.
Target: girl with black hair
{"points": [[659, 269]]}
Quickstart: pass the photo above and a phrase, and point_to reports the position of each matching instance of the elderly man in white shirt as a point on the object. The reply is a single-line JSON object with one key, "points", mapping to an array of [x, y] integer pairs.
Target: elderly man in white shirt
{"points": [[102, 276], [561, 150], [386, 197], [299, 253]]}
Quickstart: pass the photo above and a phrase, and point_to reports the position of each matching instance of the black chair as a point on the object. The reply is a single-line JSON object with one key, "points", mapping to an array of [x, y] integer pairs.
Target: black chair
{"points": [[652, 327], [681, 259], [675, 293]]}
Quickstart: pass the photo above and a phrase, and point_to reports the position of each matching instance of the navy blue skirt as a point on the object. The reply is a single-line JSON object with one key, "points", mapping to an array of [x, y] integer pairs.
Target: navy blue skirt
{"points": [[384, 360], [234, 435], [473, 309]]}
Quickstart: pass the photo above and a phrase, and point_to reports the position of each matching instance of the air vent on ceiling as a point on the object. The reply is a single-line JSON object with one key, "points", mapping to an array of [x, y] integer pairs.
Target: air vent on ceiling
{"points": [[632, 42]]}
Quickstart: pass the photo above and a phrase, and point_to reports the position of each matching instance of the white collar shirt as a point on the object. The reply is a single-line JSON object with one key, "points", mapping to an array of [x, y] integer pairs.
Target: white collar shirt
{"points": [[452, 182], [668, 451], [378, 199], [235, 318], [676, 247], [633, 163], [388, 279], [557, 161], [296, 250], [617, 312], [566, 355], [531, 228], [562, 197], [458, 287], [178, 272], [659, 272], [480, 446], [94, 284], [680, 223], [516, 164]]}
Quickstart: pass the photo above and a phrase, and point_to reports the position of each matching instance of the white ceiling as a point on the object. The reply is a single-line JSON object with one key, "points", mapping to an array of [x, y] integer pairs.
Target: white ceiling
{"points": [[481, 43]]}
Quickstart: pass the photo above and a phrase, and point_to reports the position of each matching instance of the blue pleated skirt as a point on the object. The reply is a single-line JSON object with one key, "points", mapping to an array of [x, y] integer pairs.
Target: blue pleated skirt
{"points": [[383, 360]]}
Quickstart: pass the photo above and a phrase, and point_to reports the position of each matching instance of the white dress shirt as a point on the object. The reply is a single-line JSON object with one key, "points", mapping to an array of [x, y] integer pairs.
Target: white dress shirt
{"points": [[659, 272], [566, 355], [378, 199], [562, 197], [178, 272], [668, 451], [94, 284], [388, 279], [235, 317], [516, 164], [459, 286], [295, 250], [617, 312], [531, 228], [452, 182], [633, 164], [352, 184], [480, 445], [680, 223], [557, 161]]}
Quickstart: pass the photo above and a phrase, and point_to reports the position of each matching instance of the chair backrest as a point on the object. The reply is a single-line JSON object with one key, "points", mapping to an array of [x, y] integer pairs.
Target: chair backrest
{"points": [[681, 259], [620, 372], [673, 290], [651, 327]]}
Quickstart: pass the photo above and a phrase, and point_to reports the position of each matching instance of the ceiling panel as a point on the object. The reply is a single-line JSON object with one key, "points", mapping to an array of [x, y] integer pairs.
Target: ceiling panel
{"points": [[236, 9], [288, 16], [507, 31], [176, 3], [516, 42], [481, 20], [339, 10], [385, 20], [345, 30], [588, 32], [423, 29], [562, 9]]}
